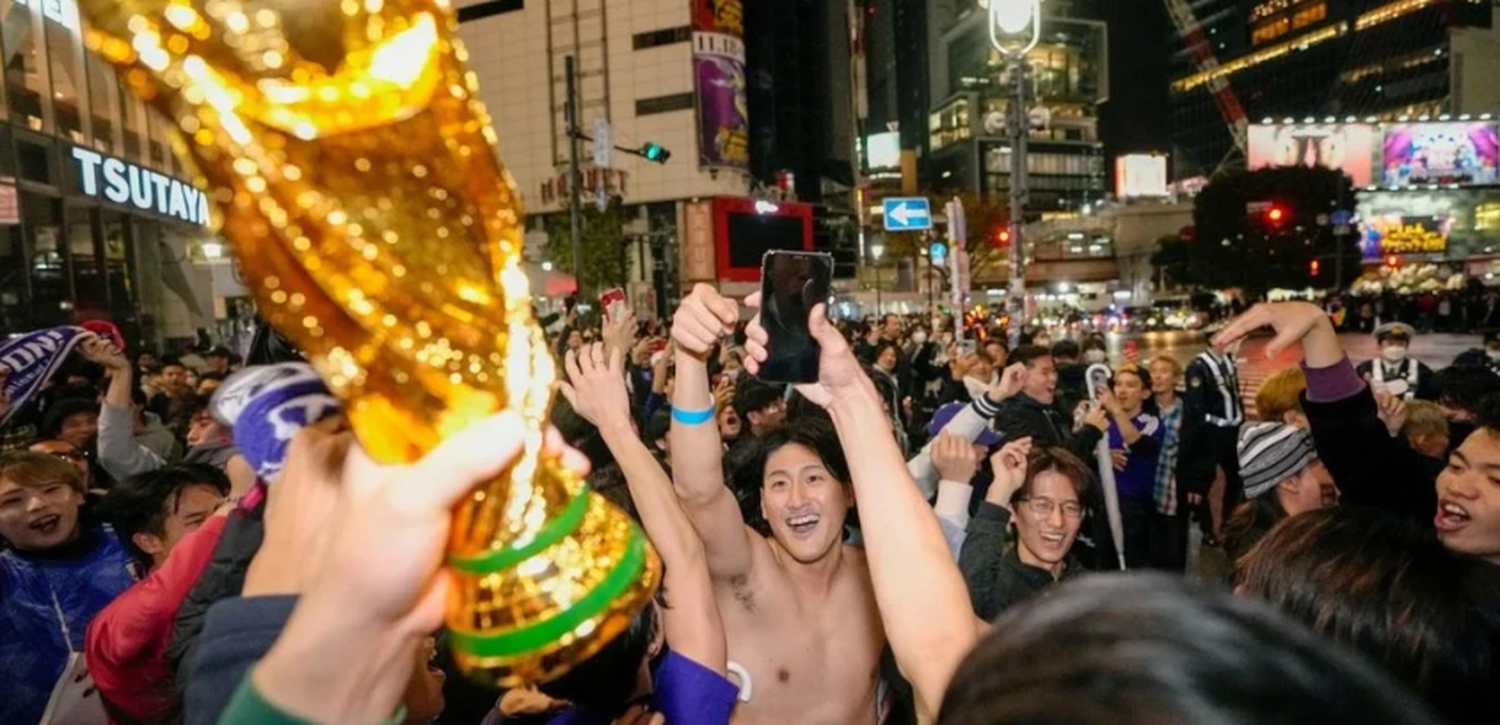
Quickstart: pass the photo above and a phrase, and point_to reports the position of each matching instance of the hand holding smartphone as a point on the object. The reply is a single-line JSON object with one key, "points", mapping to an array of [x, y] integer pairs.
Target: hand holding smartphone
{"points": [[792, 283]]}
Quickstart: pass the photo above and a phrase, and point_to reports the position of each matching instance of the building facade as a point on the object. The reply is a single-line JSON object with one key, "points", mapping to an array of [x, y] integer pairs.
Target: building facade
{"points": [[1067, 77], [1306, 59], [97, 220]]}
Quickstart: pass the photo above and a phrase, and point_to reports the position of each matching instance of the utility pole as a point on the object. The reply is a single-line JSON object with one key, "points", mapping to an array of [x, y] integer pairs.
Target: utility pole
{"points": [[1019, 131], [575, 174]]}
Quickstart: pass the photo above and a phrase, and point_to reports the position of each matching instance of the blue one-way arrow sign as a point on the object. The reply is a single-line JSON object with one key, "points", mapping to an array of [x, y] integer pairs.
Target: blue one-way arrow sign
{"points": [[907, 214]]}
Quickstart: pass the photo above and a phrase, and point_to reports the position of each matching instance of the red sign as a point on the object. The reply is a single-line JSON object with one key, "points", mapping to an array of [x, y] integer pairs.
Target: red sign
{"points": [[10, 205]]}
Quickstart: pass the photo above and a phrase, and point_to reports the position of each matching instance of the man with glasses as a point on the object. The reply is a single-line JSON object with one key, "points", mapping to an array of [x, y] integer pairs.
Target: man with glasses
{"points": [[1043, 492]]}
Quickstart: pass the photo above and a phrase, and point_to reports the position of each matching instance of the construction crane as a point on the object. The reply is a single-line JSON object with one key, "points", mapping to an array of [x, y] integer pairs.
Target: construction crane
{"points": [[1218, 84]]}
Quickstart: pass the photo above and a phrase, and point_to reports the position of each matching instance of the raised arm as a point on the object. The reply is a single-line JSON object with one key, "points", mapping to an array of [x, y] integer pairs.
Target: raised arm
{"points": [[697, 451], [967, 424], [597, 392], [119, 453], [923, 603]]}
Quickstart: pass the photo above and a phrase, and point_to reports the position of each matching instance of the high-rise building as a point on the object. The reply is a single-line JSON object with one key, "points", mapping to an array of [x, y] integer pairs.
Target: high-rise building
{"points": [[97, 219], [1067, 78], [1329, 58], [745, 96]]}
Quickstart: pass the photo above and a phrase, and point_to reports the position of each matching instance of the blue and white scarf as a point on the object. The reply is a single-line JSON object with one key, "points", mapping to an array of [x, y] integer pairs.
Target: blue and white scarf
{"points": [[31, 359]]}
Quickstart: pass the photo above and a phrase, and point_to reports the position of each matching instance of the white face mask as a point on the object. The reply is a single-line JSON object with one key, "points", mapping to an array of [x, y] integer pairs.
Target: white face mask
{"points": [[919, 337], [1094, 357], [1393, 353]]}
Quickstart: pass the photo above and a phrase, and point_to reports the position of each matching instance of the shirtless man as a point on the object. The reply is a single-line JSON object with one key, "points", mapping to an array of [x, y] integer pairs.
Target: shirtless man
{"points": [[798, 608]]}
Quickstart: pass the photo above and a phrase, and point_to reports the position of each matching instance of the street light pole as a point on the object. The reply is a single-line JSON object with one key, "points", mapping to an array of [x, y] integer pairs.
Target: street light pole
{"points": [[575, 174], [1015, 28], [1019, 130], [877, 250]]}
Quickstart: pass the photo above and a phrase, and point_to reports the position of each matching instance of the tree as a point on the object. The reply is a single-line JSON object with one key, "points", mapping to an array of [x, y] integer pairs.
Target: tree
{"points": [[1173, 258], [603, 245], [1239, 244]]}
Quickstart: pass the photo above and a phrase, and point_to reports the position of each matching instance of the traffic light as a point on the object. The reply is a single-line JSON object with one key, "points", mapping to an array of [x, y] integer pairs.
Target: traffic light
{"points": [[1393, 261], [1275, 215], [1002, 237], [1313, 268], [655, 152]]}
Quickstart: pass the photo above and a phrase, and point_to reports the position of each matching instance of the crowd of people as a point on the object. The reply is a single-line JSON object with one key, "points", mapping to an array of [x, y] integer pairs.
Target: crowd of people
{"points": [[942, 528]]}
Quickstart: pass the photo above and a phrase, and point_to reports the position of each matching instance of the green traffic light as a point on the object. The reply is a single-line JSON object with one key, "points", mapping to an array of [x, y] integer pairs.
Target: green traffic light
{"points": [[655, 152]]}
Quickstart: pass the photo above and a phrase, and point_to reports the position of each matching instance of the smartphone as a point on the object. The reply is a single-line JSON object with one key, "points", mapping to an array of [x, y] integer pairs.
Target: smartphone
{"points": [[792, 283], [607, 301], [968, 347]]}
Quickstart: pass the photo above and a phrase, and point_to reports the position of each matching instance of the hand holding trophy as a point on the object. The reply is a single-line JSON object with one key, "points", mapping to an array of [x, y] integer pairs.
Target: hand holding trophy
{"points": [[354, 171]]}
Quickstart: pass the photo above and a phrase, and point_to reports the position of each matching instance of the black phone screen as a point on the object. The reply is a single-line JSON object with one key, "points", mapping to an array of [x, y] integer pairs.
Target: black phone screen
{"points": [[792, 283]]}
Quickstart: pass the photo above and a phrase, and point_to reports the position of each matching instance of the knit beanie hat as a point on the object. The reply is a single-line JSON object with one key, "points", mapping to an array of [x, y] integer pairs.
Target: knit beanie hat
{"points": [[1271, 453], [267, 405]]}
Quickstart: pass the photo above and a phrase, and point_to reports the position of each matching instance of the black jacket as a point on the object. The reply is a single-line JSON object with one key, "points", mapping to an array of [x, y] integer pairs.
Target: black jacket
{"points": [[223, 579], [1212, 411], [992, 567], [1020, 417], [1369, 467]]}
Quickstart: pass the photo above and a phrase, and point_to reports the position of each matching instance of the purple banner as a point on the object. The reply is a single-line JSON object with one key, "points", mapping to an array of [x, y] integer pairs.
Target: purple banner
{"points": [[719, 81], [29, 360]]}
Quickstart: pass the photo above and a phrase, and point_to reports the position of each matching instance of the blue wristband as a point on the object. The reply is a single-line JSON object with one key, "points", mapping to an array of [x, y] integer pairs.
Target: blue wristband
{"points": [[693, 417]]}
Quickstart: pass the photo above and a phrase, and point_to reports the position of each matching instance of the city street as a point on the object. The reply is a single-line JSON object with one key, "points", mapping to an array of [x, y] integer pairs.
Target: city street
{"points": [[1436, 350]]}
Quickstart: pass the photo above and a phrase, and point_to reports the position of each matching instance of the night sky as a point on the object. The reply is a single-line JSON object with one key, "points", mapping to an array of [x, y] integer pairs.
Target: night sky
{"points": [[1140, 39]]}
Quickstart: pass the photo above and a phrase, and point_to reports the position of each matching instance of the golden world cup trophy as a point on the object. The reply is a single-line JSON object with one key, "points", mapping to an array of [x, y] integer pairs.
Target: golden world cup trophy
{"points": [[351, 165]]}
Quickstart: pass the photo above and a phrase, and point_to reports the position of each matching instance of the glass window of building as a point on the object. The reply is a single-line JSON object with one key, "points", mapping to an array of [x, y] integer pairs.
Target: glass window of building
{"points": [[132, 123], [68, 85], [104, 103], [161, 144], [25, 78]]}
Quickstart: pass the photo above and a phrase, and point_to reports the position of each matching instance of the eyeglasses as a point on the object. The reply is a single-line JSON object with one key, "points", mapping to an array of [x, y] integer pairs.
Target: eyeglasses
{"points": [[68, 455], [1043, 507]]}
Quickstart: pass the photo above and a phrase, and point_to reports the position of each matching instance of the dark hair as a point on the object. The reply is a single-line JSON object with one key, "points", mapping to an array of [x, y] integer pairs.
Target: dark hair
{"points": [[1146, 649], [59, 412], [141, 503], [747, 473], [1487, 412], [1465, 387], [173, 361], [1094, 342], [182, 409], [753, 396], [609, 481], [211, 375], [1249, 522], [1065, 348], [1029, 354], [886, 345], [996, 339], [603, 684], [1057, 460], [658, 426], [1388, 588], [1137, 371]]}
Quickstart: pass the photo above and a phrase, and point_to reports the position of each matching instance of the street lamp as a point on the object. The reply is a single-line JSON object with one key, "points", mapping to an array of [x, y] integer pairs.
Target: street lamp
{"points": [[877, 250], [1015, 28]]}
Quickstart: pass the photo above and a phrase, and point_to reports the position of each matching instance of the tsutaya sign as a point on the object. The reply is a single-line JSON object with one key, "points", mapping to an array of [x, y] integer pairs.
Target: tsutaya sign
{"points": [[144, 189]]}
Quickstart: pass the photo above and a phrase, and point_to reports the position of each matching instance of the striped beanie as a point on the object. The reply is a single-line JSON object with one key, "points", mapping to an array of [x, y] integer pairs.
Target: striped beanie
{"points": [[1271, 453], [267, 405]]}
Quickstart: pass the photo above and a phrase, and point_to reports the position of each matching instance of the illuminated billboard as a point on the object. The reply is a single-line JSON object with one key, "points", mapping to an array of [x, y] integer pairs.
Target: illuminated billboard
{"points": [[883, 150], [1346, 147], [1396, 234], [1441, 153], [1140, 175]]}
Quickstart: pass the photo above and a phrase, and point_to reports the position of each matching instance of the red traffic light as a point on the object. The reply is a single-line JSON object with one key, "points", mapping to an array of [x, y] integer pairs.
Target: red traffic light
{"points": [[1275, 214], [1314, 267], [1002, 237], [1393, 261]]}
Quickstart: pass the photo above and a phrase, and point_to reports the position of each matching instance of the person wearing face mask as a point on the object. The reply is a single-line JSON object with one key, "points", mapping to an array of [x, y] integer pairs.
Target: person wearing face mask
{"points": [[1395, 372]]}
